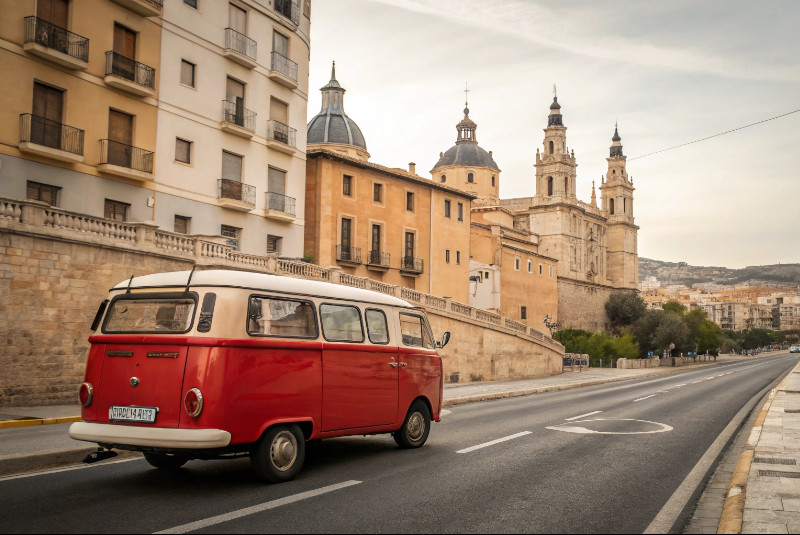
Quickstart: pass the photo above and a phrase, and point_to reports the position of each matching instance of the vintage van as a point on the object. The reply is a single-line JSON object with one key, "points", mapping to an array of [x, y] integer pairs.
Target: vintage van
{"points": [[218, 363]]}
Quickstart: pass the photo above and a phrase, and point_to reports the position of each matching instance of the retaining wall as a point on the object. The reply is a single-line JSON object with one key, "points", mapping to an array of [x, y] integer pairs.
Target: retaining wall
{"points": [[57, 266]]}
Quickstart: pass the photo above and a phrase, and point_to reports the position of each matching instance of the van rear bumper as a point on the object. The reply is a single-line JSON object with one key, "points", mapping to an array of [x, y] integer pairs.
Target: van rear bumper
{"points": [[155, 437]]}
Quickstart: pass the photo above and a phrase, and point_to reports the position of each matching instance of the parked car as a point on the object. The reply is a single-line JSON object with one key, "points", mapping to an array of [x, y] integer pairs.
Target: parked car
{"points": [[794, 349]]}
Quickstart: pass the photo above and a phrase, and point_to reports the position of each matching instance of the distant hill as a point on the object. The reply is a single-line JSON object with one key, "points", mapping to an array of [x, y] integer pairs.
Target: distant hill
{"points": [[672, 273]]}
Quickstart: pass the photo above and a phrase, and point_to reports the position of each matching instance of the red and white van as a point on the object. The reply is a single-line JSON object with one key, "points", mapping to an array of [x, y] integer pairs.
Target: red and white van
{"points": [[208, 364]]}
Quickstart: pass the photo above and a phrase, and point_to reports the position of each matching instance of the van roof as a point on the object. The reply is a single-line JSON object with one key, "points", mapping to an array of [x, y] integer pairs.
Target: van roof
{"points": [[263, 282]]}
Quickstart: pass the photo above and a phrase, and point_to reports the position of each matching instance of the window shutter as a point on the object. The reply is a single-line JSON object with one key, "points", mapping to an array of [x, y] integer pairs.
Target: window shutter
{"points": [[278, 111], [276, 181], [231, 166], [187, 73], [182, 150]]}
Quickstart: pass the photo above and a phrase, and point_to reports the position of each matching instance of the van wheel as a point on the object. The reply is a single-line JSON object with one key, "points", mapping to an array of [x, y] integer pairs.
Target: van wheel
{"points": [[415, 428], [279, 454], [163, 461]]}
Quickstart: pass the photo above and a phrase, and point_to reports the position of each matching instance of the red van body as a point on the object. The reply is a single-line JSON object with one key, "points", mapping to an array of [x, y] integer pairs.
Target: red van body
{"points": [[221, 363]]}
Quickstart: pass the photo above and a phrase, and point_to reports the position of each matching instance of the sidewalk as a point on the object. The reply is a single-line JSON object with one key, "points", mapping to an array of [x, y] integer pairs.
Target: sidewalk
{"points": [[770, 504]]}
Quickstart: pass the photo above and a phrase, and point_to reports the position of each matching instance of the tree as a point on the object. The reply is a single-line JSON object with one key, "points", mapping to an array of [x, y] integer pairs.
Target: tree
{"points": [[672, 330], [674, 306], [624, 308], [644, 328]]}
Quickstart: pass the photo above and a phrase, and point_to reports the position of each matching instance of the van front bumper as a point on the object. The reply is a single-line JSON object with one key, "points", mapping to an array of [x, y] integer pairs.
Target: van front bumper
{"points": [[153, 437]]}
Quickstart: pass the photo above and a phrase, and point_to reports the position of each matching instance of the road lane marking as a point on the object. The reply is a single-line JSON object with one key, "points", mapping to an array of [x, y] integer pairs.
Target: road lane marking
{"points": [[445, 412], [582, 416], [67, 469], [233, 515], [493, 442], [582, 430], [646, 397]]}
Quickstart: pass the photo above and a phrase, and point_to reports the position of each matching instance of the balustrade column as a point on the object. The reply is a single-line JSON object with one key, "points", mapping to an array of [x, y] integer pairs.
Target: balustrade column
{"points": [[33, 213]]}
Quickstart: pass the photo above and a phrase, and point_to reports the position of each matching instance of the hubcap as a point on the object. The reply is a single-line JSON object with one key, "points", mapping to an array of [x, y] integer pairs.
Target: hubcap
{"points": [[283, 450], [416, 427]]}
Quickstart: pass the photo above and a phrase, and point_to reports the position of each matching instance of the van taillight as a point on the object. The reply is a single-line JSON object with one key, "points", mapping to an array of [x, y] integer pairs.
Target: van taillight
{"points": [[193, 402], [85, 394]]}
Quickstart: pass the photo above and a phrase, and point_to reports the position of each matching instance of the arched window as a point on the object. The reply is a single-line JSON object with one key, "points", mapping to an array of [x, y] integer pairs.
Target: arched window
{"points": [[566, 186], [549, 186], [492, 180], [444, 178], [470, 177], [624, 205], [611, 206], [551, 147]]}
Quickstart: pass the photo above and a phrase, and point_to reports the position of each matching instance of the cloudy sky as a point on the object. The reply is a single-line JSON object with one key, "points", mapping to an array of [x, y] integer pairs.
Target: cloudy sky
{"points": [[669, 72]]}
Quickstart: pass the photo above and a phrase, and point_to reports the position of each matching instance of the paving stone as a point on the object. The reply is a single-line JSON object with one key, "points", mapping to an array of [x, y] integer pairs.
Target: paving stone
{"points": [[762, 527]]}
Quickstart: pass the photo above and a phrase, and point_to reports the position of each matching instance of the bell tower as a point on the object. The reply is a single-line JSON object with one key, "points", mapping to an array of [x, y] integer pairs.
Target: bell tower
{"points": [[555, 165], [617, 201]]}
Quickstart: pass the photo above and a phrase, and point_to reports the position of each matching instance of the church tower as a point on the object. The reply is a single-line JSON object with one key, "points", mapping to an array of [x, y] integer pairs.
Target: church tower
{"points": [[617, 201], [555, 167]]}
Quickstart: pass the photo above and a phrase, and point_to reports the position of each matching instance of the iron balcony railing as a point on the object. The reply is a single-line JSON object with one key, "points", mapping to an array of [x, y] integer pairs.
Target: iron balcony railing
{"points": [[289, 9], [281, 203], [347, 253], [116, 153], [240, 43], [49, 35], [284, 65], [236, 113], [278, 131], [378, 258], [411, 264], [157, 4], [41, 131], [233, 189], [129, 69]]}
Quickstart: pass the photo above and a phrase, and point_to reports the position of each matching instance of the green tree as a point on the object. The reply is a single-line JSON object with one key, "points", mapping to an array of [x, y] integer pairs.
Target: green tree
{"points": [[674, 306], [672, 330], [624, 308], [644, 329]]}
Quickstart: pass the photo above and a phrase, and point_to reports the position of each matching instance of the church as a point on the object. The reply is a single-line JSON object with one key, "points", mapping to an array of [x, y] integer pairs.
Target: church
{"points": [[548, 261]]}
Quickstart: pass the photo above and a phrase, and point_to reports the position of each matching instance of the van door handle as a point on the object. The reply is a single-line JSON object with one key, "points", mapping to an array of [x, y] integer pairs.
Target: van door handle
{"points": [[393, 364], [403, 364]]}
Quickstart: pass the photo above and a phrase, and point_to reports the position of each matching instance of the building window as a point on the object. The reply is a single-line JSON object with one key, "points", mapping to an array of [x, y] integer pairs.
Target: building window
{"points": [[549, 186], [409, 201], [550, 146], [234, 111], [183, 150], [231, 166], [409, 253], [116, 210], [273, 244], [345, 241], [232, 235], [523, 312], [187, 73], [458, 257], [182, 224], [191, 3], [541, 269], [447, 256], [460, 212], [347, 186], [447, 208], [377, 192], [611, 206], [43, 192], [516, 263], [470, 177], [444, 178], [530, 266], [492, 180]]}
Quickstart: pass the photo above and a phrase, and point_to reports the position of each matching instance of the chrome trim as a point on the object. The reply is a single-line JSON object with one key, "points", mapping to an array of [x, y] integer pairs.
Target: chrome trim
{"points": [[156, 437], [199, 409], [91, 394]]}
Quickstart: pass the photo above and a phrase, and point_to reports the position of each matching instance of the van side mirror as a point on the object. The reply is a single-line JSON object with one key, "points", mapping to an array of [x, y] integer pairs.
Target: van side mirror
{"points": [[445, 339]]}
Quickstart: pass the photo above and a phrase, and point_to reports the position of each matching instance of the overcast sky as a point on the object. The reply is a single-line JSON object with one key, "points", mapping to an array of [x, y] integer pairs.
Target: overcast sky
{"points": [[670, 72]]}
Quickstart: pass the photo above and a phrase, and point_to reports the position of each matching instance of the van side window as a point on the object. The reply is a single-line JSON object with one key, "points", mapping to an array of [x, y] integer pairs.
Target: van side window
{"points": [[341, 323], [377, 329], [270, 316], [415, 331]]}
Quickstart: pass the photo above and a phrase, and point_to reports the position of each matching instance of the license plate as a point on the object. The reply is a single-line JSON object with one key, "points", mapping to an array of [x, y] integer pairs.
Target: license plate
{"points": [[145, 415]]}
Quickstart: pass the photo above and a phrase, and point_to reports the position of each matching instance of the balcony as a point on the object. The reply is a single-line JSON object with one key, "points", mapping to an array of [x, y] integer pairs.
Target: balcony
{"points": [[240, 49], [238, 120], [288, 9], [125, 160], [235, 195], [56, 44], [129, 75], [378, 261], [346, 254], [280, 207], [145, 8], [281, 137], [411, 266], [50, 139], [283, 70]]}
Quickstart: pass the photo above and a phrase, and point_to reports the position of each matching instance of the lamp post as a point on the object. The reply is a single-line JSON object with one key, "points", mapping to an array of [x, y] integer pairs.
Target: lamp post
{"points": [[552, 326]]}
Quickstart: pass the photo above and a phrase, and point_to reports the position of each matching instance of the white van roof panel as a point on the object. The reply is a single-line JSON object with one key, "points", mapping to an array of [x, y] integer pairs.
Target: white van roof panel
{"points": [[263, 282]]}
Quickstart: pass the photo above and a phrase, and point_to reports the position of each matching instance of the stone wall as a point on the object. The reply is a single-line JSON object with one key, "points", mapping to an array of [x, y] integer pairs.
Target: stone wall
{"points": [[581, 305], [630, 364], [56, 267]]}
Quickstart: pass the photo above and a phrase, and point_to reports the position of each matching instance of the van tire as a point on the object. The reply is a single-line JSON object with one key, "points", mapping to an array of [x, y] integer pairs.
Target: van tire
{"points": [[163, 461], [279, 454], [416, 426]]}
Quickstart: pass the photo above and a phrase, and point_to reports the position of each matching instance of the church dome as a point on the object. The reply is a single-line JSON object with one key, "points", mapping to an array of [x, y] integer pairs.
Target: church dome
{"points": [[331, 124], [466, 151]]}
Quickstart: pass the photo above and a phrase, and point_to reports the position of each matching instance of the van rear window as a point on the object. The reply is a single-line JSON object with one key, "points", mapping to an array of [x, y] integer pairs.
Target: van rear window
{"points": [[136, 314], [269, 316]]}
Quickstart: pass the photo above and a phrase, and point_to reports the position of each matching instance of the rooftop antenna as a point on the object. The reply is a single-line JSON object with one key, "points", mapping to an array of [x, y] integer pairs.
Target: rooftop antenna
{"points": [[555, 91], [129, 285], [186, 291]]}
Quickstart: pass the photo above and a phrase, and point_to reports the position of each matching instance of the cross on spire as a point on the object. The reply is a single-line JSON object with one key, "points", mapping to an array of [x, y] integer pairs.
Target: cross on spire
{"points": [[466, 93], [555, 91]]}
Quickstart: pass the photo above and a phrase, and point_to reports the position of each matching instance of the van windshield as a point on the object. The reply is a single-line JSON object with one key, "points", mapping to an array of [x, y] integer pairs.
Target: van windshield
{"points": [[150, 315]]}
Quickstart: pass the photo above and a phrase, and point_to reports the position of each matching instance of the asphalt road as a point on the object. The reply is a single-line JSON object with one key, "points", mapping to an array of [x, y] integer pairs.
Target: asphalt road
{"points": [[602, 459]]}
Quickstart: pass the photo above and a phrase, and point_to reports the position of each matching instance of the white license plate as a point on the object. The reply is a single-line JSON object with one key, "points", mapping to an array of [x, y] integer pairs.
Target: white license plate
{"points": [[145, 415]]}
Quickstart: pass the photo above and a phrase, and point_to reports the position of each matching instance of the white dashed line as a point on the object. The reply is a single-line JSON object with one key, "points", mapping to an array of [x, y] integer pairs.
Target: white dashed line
{"points": [[646, 397], [493, 442], [582, 416]]}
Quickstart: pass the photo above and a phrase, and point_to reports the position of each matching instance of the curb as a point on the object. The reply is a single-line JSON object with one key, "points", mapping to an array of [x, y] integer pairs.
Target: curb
{"points": [[733, 509], [38, 421], [14, 465]]}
